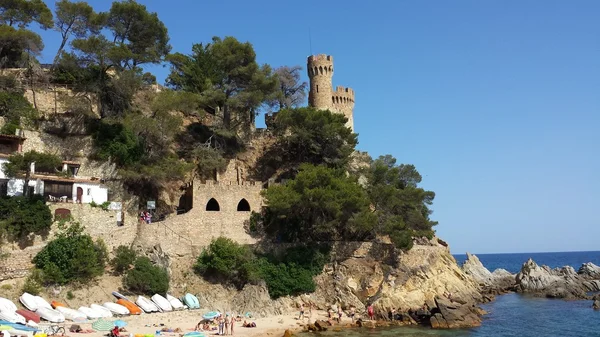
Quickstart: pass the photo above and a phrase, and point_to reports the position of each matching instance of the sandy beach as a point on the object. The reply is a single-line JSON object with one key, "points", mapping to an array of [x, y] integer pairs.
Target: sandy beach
{"points": [[186, 321]]}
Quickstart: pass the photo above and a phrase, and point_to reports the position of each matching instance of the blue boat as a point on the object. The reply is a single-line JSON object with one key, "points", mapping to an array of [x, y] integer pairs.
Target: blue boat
{"points": [[211, 315], [18, 326], [191, 301], [194, 334]]}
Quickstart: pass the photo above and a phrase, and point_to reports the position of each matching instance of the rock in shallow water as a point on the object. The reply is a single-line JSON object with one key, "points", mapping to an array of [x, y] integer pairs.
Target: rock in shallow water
{"points": [[453, 315]]}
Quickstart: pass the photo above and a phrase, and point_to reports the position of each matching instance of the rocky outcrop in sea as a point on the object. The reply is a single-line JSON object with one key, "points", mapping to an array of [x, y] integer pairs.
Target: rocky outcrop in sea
{"points": [[563, 282]]}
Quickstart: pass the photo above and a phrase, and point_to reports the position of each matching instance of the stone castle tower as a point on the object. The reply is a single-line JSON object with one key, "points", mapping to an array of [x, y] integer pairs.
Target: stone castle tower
{"points": [[321, 94]]}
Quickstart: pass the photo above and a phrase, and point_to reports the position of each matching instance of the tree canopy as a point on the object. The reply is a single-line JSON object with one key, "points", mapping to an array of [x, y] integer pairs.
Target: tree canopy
{"points": [[74, 19], [21, 13], [319, 204], [401, 207], [228, 78]]}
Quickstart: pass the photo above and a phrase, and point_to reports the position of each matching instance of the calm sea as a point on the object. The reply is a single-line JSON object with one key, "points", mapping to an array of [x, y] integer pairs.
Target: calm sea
{"points": [[514, 315]]}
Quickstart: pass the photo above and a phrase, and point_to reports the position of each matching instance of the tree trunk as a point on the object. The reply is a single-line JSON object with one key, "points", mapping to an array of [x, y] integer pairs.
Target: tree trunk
{"points": [[60, 49], [26, 183], [226, 117]]}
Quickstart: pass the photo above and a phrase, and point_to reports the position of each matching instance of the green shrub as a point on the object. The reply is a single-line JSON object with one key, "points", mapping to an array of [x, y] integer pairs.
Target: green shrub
{"points": [[288, 273], [292, 272], [227, 261], [70, 295], [33, 282], [285, 279], [72, 256], [103, 205], [21, 216], [123, 260], [145, 278], [117, 142]]}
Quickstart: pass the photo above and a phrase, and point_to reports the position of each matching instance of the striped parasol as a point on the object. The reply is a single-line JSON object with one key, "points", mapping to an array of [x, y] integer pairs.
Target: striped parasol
{"points": [[102, 325]]}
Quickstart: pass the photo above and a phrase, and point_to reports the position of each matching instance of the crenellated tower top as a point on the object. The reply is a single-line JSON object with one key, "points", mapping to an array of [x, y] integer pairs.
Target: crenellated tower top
{"points": [[321, 94]]}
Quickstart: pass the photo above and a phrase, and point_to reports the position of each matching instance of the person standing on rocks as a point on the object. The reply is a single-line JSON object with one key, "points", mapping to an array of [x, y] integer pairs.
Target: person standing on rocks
{"points": [[301, 315], [370, 311]]}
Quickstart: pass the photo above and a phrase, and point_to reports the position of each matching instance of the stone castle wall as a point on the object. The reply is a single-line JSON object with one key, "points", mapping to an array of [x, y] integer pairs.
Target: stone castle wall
{"points": [[98, 223], [187, 233]]}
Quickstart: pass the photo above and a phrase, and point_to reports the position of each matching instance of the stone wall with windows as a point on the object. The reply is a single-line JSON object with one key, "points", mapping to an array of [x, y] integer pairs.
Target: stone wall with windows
{"points": [[217, 209]]}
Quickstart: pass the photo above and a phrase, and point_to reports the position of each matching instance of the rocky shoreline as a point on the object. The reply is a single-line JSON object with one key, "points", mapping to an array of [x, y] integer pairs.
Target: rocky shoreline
{"points": [[450, 312]]}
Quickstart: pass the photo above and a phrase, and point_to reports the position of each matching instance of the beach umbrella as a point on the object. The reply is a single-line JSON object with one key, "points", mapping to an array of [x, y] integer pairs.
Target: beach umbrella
{"points": [[102, 325], [211, 315], [120, 323]]}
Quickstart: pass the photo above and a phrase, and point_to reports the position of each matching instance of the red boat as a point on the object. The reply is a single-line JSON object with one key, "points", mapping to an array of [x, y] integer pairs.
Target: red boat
{"points": [[29, 315]]}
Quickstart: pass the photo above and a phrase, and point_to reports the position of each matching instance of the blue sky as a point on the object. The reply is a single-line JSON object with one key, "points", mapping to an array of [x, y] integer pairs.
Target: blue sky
{"points": [[497, 103]]}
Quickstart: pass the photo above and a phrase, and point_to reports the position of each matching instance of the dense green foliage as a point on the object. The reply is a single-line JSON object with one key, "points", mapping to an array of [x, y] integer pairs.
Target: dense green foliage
{"points": [[146, 278], [319, 204], [72, 257], [21, 216], [401, 207], [307, 135], [289, 273], [124, 258], [117, 142], [13, 107], [226, 75], [227, 260]]}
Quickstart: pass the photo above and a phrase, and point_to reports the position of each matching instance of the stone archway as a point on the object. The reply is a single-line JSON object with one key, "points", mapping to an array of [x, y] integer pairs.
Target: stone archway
{"points": [[243, 206], [213, 205]]}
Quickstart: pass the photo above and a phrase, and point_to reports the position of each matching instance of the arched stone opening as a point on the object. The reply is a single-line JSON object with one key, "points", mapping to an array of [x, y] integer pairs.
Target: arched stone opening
{"points": [[243, 206], [213, 205]]}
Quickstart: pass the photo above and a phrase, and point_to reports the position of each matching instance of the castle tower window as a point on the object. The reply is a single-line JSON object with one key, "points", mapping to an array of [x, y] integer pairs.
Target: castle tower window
{"points": [[212, 205], [317, 88], [243, 206]]}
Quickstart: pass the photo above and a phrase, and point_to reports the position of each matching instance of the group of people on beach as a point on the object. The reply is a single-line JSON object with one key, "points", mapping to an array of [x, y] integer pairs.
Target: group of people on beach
{"points": [[225, 325]]}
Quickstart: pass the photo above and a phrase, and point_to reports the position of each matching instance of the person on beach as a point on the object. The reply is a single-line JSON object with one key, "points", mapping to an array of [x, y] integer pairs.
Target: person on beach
{"points": [[340, 313], [232, 322], [226, 332], [301, 316], [370, 311], [221, 325], [352, 313]]}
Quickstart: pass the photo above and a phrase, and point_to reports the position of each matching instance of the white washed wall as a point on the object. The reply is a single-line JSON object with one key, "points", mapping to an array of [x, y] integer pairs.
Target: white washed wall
{"points": [[91, 192], [15, 186], [2, 161]]}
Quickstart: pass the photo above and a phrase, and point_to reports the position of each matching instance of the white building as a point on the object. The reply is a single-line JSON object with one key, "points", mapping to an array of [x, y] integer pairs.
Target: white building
{"points": [[65, 187]]}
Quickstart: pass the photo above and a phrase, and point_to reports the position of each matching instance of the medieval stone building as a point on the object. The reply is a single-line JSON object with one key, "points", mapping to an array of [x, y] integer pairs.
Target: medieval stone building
{"points": [[321, 94]]}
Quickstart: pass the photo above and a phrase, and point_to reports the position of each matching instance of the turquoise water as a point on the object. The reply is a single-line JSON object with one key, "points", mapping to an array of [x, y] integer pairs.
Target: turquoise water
{"points": [[515, 315]]}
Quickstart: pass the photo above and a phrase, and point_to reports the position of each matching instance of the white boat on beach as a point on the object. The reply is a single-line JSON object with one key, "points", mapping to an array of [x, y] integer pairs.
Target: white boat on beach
{"points": [[162, 303], [7, 305], [50, 315], [42, 303], [29, 301], [71, 314], [103, 311], [91, 313], [11, 316], [175, 303], [146, 305], [116, 308]]}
